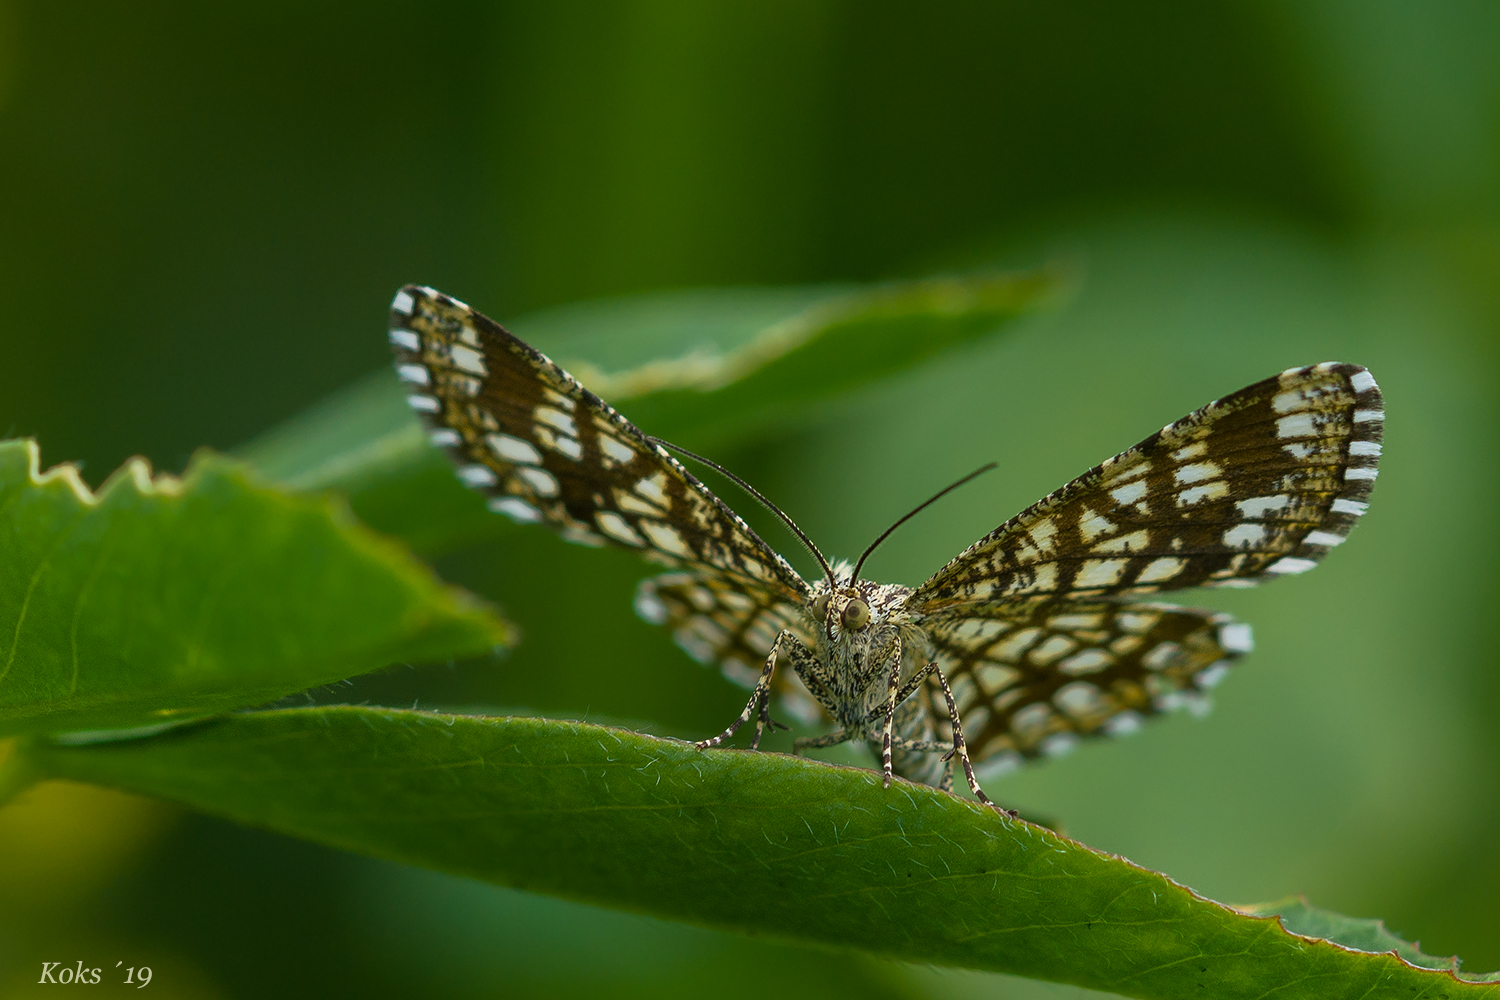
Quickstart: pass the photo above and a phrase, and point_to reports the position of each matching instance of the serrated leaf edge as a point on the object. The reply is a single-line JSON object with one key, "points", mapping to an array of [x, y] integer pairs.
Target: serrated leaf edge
{"points": [[1451, 962]]}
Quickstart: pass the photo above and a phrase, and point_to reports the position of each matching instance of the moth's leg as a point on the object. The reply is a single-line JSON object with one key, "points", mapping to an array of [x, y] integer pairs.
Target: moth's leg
{"points": [[886, 709], [962, 750], [930, 746], [760, 699], [890, 715], [764, 721], [813, 675], [923, 746], [814, 742]]}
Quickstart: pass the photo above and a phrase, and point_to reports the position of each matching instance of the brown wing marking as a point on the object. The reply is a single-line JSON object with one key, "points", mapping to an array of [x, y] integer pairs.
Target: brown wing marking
{"points": [[717, 620], [1031, 681], [1261, 483], [546, 450]]}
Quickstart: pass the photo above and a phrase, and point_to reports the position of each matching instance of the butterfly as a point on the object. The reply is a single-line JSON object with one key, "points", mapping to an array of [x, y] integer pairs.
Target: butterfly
{"points": [[1036, 636]]}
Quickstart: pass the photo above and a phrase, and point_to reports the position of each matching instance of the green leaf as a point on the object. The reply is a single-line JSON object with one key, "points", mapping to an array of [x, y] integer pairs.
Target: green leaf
{"points": [[1300, 917], [754, 842], [706, 367], [158, 599]]}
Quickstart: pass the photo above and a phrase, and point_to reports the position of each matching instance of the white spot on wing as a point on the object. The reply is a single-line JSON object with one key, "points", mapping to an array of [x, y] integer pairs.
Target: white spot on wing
{"points": [[444, 437], [1161, 569], [1054, 647], [558, 399], [979, 629], [1195, 450], [1260, 506], [1124, 724], [1014, 644], [1058, 744], [1129, 493], [1355, 507], [1365, 449], [617, 527], [1133, 542], [1297, 425], [1208, 491], [1368, 416], [1212, 674], [1290, 400], [556, 418], [1362, 381], [1198, 472], [1087, 661], [516, 509], [693, 644], [415, 374], [403, 303], [1137, 623], [1099, 573], [1075, 621], [652, 488], [1029, 722], [580, 535], [665, 537], [1244, 536], [996, 678], [1042, 534], [1323, 538], [560, 443], [477, 475], [513, 449], [406, 339], [650, 607], [1161, 655], [1354, 474], [1079, 699], [540, 480], [1288, 564], [616, 449], [468, 359], [1092, 525], [1236, 637]]}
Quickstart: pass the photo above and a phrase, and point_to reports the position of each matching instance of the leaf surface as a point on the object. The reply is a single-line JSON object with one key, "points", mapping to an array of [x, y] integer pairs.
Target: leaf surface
{"points": [[164, 598], [754, 842]]}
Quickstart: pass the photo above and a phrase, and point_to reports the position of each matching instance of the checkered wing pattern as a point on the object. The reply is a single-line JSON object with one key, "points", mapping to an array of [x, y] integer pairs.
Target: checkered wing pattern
{"points": [[1261, 483], [1031, 681], [718, 621], [1034, 624], [546, 450]]}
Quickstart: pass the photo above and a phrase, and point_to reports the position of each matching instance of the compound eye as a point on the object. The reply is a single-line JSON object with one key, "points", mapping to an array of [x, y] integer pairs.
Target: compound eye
{"points": [[820, 606], [856, 615]]}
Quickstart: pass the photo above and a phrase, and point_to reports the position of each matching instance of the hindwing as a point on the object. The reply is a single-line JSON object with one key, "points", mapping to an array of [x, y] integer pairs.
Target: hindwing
{"points": [[1030, 681]]}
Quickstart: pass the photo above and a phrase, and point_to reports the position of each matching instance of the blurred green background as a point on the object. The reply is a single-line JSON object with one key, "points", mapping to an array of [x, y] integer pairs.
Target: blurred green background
{"points": [[204, 210]]}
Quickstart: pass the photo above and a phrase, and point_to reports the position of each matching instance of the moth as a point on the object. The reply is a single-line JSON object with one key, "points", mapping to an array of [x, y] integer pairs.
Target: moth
{"points": [[1036, 636]]}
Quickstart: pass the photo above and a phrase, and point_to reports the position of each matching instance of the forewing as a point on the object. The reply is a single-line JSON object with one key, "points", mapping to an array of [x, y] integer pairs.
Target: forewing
{"points": [[1260, 483], [717, 620], [546, 450], [1032, 682]]}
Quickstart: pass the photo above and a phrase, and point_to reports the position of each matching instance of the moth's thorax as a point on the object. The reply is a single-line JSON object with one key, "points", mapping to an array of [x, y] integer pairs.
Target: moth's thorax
{"points": [[857, 661]]}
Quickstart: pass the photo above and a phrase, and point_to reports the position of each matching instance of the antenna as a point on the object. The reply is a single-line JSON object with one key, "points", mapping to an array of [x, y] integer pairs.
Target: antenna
{"points": [[801, 536], [919, 508]]}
